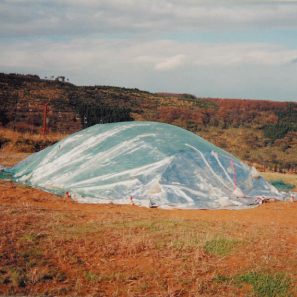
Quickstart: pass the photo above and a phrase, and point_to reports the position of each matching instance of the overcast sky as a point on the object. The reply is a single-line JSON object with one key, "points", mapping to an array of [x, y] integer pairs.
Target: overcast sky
{"points": [[225, 49]]}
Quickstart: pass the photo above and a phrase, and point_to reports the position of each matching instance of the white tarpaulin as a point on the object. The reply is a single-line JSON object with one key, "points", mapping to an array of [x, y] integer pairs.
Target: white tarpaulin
{"points": [[167, 165]]}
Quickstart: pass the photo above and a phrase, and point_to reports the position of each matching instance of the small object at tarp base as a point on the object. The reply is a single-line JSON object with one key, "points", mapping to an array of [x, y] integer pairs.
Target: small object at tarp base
{"points": [[293, 198], [146, 203], [261, 199], [10, 181], [67, 195], [131, 200], [225, 201]]}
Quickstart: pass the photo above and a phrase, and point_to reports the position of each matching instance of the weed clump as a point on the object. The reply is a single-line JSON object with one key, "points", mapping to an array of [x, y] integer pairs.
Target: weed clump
{"points": [[92, 277], [266, 284], [220, 246], [263, 284]]}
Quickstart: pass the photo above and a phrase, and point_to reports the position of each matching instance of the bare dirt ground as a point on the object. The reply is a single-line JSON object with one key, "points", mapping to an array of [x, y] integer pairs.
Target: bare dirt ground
{"points": [[53, 246]]}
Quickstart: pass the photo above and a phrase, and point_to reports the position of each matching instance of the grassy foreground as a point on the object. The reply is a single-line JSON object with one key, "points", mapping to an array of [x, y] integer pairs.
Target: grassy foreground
{"points": [[52, 246]]}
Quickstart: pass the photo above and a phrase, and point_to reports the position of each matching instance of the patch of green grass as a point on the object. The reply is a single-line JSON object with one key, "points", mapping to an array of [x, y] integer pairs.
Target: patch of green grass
{"points": [[221, 279], [75, 229], [265, 284], [18, 278], [33, 252], [28, 237], [31, 263], [159, 245], [179, 244], [114, 276], [220, 246], [149, 225], [13, 275], [92, 277]]}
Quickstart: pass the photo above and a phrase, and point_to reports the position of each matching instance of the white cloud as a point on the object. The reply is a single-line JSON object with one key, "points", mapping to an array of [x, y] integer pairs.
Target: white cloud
{"points": [[243, 54], [158, 55], [171, 62], [145, 61], [82, 18]]}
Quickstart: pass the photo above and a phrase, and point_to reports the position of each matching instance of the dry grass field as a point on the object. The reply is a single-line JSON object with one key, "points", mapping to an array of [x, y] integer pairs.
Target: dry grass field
{"points": [[12, 141], [53, 246]]}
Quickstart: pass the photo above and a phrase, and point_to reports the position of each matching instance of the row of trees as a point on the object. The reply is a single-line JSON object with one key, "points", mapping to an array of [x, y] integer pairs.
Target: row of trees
{"points": [[91, 114], [286, 122], [276, 119], [278, 130], [290, 113]]}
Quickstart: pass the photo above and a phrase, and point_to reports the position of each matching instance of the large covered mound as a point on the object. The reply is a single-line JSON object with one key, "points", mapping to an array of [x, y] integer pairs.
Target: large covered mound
{"points": [[162, 163]]}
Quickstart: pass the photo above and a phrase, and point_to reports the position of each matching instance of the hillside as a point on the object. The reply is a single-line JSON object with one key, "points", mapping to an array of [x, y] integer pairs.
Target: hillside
{"points": [[253, 130]]}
